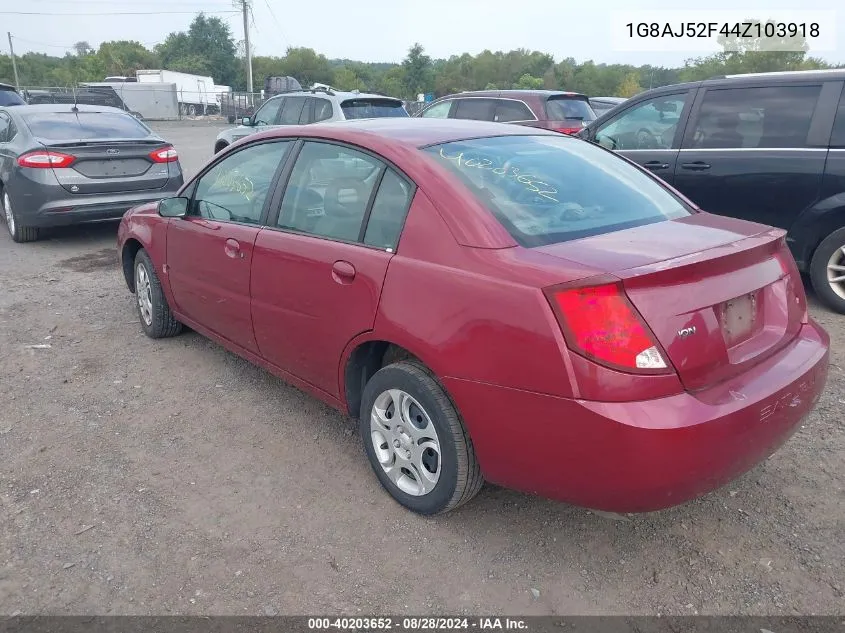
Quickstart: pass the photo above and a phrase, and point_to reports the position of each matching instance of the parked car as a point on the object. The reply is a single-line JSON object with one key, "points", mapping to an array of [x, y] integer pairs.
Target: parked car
{"points": [[9, 96], [764, 147], [61, 164], [303, 107], [566, 112], [89, 95], [601, 105], [491, 302]]}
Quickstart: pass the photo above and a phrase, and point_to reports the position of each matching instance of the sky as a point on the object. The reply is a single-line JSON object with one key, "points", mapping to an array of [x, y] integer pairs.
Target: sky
{"points": [[383, 30]]}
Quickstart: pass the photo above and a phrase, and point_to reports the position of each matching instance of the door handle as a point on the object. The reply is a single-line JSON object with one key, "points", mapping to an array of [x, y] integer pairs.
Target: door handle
{"points": [[233, 249], [343, 272], [656, 164], [698, 165]]}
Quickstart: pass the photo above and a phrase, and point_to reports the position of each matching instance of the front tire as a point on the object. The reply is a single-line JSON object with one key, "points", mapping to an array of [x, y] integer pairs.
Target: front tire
{"points": [[18, 232], [415, 440], [827, 271], [156, 318]]}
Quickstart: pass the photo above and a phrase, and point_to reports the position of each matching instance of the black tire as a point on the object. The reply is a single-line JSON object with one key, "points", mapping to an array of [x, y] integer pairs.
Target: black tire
{"points": [[818, 270], [231, 119], [17, 232], [460, 475], [162, 323]]}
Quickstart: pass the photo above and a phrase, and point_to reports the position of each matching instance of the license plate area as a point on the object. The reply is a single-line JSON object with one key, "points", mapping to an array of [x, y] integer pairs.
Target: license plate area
{"points": [[740, 318]]}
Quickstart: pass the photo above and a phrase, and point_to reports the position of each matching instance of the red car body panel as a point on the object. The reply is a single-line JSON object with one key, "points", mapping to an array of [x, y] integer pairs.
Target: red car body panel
{"points": [[461, 296]]}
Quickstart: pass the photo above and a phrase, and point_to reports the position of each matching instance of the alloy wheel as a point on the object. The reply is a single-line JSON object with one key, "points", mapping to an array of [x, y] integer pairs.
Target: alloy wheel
{"points": [[405, 442], [836, 271], [10, 218], [144, 293]]}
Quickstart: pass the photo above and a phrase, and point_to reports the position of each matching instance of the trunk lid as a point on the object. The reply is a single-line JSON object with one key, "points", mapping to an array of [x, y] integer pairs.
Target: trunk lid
{"points": [[111, 166], [720, 295]]}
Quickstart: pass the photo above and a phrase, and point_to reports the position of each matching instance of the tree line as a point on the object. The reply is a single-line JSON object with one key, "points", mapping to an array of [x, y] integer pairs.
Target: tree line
{"points": [[209, 47]]}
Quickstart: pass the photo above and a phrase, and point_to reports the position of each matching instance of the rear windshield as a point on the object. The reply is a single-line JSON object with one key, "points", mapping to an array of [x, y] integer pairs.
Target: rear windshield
{"points": [[372, 108], [550, 189], [60, 126], [563, 107], [10, 98]]}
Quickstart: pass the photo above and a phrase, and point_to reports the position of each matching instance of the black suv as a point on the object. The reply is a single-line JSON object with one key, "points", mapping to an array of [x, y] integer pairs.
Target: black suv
{"points": [[766, 147]]}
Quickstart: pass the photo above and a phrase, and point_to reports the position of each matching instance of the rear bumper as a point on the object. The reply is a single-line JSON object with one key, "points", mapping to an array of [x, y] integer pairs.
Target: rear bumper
{"points": [[57, 207], [649, 455]]}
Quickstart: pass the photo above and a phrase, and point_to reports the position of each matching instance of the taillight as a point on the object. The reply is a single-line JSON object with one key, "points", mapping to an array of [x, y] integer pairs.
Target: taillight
{"points": [[164, 155], [600, 323], [45, 160], [568, 130]]}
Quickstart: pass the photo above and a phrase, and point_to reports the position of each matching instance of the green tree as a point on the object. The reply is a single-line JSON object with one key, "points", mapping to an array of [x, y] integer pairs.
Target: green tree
{"points": [[529, 82], [307, 66], [123, 58], [346, 79], [629, 86], [418, 71], [207, 48]]}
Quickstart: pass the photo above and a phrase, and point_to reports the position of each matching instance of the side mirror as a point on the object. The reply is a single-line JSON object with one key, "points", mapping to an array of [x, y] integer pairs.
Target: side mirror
{"points": [[246, 121], [173, 207]]}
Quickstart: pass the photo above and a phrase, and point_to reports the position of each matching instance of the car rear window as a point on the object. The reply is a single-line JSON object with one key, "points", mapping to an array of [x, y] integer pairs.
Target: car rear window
{"points": [[550, 189], [59, 126], [10, 98], [372, 108], [565, 107]]}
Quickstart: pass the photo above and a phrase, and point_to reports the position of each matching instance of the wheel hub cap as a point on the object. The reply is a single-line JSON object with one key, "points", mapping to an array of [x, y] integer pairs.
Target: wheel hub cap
{"points": [[836, 272], [405, 442]]}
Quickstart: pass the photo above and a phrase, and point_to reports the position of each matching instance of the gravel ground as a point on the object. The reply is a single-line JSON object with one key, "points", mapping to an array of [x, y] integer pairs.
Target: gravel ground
{"points": [[164, 477]]}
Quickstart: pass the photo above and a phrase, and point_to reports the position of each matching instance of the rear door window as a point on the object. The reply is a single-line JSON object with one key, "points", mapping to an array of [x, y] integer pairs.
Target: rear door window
{"points": [[475, 108], [5, 126], [388, 213], [67, 126], [548, 189], [769, 117], [512, 110], [292, 110], [562, 107], [372, 108]]}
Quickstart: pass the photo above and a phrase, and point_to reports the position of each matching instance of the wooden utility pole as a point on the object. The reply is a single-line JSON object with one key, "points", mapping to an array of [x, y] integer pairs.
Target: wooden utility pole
{"points": [[14, 63], [245, 7]]}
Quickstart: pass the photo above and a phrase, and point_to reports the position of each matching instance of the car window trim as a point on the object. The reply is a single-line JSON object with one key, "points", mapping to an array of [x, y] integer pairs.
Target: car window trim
{"points": [[281, 186], [365, 221], [262, 219], [683, 118], [692, 120], [824, 116]]}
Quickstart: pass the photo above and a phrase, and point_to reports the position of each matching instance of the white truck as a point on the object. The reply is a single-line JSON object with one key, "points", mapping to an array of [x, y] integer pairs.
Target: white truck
{"points": [[194, 93]]}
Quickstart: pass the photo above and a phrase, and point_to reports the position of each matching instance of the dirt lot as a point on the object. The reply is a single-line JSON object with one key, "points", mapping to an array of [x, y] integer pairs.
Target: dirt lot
{"points": [[157, 477]]}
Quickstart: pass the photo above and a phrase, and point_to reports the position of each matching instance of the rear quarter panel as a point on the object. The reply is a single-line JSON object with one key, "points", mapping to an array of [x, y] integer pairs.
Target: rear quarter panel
{"points": [[471, 313]]}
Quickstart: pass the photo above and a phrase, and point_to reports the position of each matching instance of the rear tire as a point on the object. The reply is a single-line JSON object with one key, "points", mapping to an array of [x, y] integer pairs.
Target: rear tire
{"points": [[156, 318], [18, 232], [415, 440], [828, 264], [231, 119]]}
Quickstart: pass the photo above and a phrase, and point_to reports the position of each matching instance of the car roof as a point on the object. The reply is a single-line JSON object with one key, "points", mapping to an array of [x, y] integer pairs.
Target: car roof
{"points": [[338, 94], [408, 131], [58, 108], [757, 79], [515, 94]]}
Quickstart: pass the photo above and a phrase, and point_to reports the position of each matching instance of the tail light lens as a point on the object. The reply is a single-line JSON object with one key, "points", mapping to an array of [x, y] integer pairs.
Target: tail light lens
{"points": [[45, 160], [164, 155], [600, 323], [568, 130]]}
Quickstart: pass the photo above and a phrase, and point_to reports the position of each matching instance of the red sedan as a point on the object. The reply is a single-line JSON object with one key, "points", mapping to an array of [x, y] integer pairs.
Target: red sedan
{"points": [[491, 302]]}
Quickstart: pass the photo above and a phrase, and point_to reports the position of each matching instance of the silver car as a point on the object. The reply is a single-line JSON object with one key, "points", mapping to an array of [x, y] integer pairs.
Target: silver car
{"points": [[63, 164], [303, 107]]}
